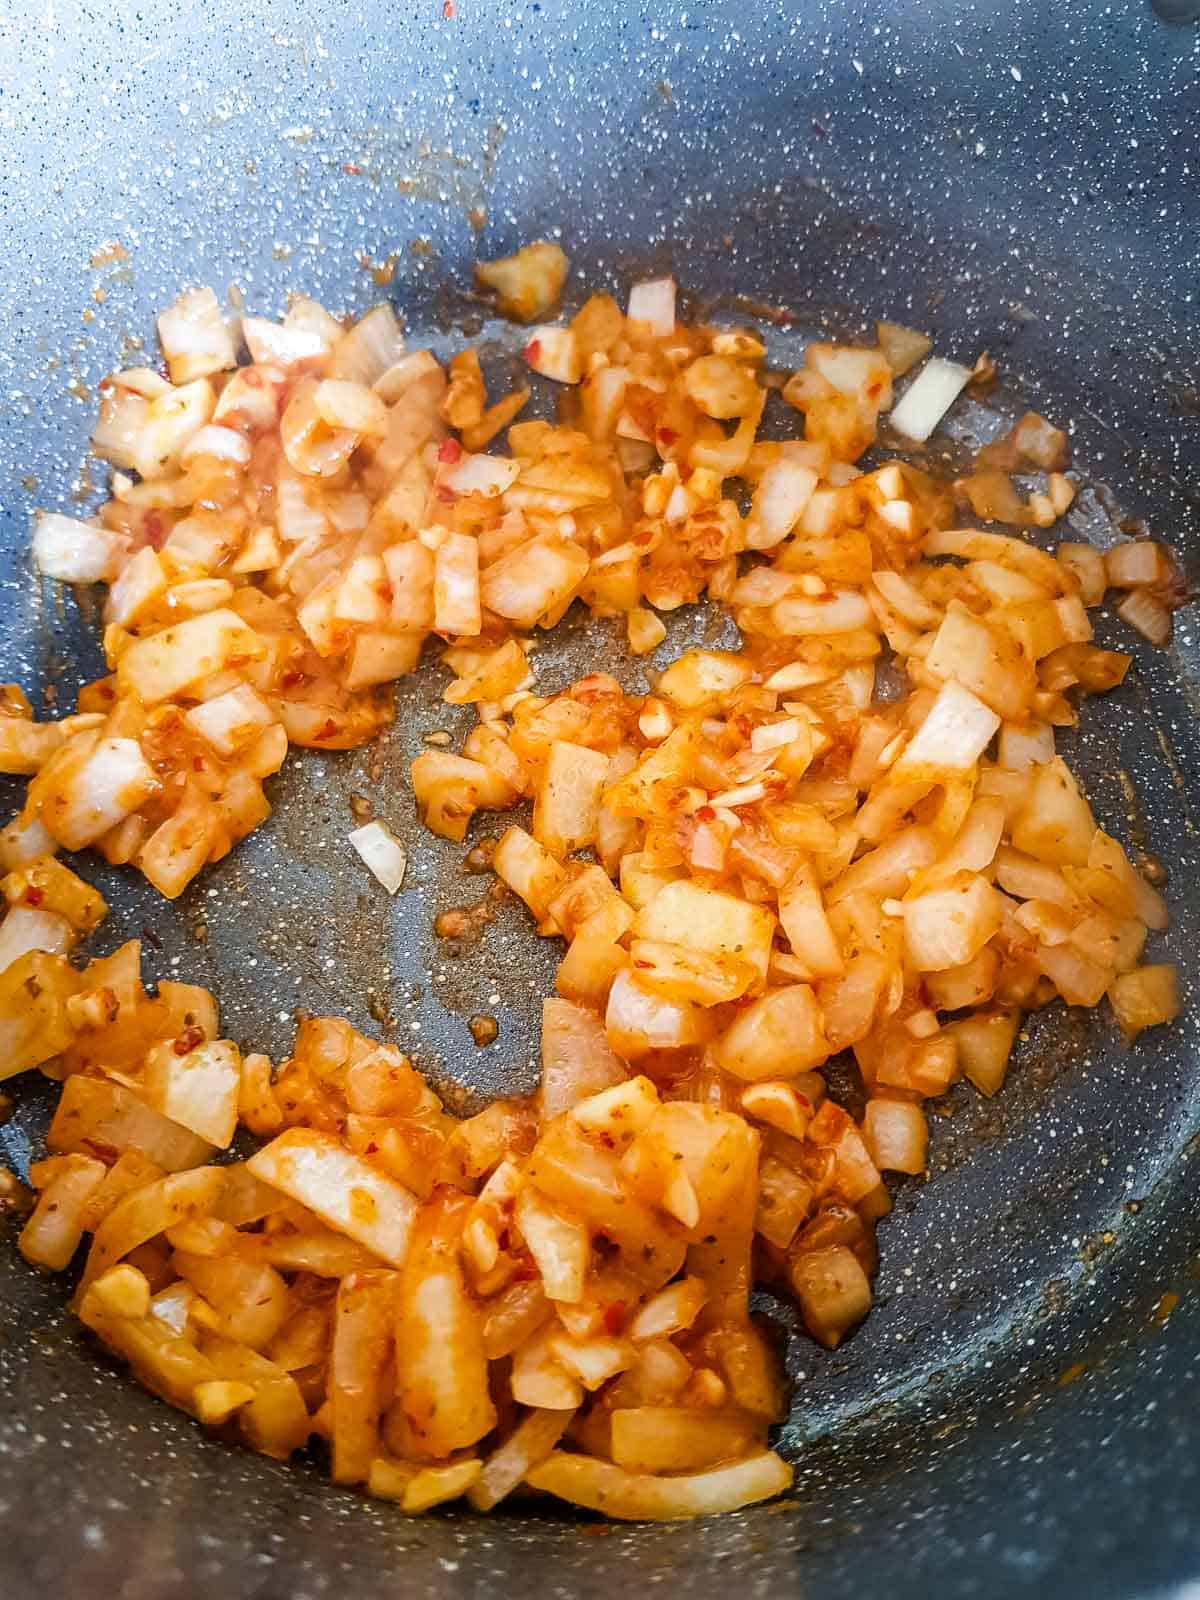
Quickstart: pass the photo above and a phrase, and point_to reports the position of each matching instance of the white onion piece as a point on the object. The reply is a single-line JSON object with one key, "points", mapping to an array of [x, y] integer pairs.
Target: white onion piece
{"points": [[223, 444], [554, 353], [653, 303], [928, 398], [785, 490], [111, 781], [140, 380], [905, 597], [305, 315], [231, 720], [25, 838], [486, 475], [953, 736], [382, 852], [270, 341], [295, 517], [1022, 747], [74, 551], [372, 345], [1143, 611], [1139, 564], [194, 337], [25, 929]]}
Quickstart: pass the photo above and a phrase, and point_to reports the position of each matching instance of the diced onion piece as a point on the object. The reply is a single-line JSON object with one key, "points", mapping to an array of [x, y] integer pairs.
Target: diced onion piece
{"points": [[1145, 612], [232, 720], [776, 1036], [159, 665], [638, 1021], [352, 406], [902, 347], [313, 447], [896, 1134], [1137, 564], [222, 444], [653, 304], [198, 1090], [642, 1497], [51, 1236], [528, 283], [74, 551], [530, 1442], [382, 852], [25, 929], [779, 501], [833, 1292], [554, 353], [485, 475], [1145, 998], [371, 347], [278, 345], [194, 337], [95, 1113], [577, 1060], [928, 398], [947, 927], [456, 594], [953, 736], [90, 786], [347, 1192]]}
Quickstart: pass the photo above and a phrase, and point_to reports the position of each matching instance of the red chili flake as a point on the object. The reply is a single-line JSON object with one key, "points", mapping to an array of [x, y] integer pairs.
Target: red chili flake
{"points": [[152, 528], [292, 677], [351, 169], [372, 1148], [667, 436], [526, 1272], [445, 495], [643, 963], [532, 350], [34, 896], [705, 814], [197, 763], [504, 1239], [449, 450], [106, 691], [614, 1317], [328, 729], [188, 1040], [643, 538]]}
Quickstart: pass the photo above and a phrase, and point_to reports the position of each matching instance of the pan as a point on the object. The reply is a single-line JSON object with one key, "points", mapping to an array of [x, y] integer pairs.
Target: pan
{"points": [[1019, 1414]]}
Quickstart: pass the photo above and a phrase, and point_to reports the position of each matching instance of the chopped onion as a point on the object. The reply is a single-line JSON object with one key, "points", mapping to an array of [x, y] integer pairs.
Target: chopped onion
{"points": [[383, 853], [25, 929], [653, 303], [953, 736], [485, 475], [373, 345], [928, 398], [1139, 564], [554, 353], [1145, 612], [73, 551], [223, 444], [194, 337], [779, 502], [273, 342]]}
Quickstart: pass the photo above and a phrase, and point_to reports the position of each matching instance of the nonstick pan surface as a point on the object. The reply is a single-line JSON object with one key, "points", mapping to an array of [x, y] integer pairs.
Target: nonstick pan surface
{"points": [[1017, 1414]]}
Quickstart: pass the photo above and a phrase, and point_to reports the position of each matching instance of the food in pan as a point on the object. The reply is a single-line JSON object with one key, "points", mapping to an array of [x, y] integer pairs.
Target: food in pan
{"points": [[854, 833]]}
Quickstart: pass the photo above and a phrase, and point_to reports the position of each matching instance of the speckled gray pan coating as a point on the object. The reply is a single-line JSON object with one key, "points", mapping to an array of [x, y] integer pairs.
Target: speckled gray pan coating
{"points": [[1018, 176]]}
